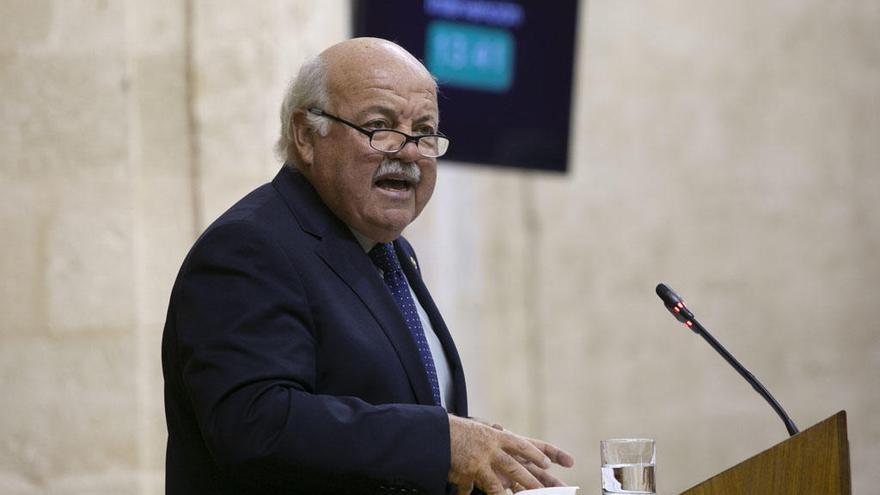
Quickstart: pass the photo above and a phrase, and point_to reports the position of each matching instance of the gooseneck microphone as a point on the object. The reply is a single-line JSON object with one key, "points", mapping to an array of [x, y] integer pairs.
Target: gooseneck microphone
{"points": [[679, 310]]}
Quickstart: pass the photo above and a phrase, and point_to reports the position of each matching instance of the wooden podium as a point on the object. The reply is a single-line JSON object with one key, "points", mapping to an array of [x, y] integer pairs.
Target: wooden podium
{"points": [[813, 462]]}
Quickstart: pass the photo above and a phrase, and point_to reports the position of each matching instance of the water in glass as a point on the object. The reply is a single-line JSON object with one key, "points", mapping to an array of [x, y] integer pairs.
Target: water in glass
{"points": [[628, 478]]}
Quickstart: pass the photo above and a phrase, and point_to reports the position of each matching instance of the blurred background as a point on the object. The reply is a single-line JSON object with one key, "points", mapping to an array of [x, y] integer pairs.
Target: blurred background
{"points": [[730, 149]]}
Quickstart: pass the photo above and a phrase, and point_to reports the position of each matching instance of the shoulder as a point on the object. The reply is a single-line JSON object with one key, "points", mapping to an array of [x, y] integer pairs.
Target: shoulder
{"points": [[240, 257], [261, 208], [257, 229], [285, 205]]}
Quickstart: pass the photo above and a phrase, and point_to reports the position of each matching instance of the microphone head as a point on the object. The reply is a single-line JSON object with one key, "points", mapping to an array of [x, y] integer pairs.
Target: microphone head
{"points": [[669, 297], [675, 304]]}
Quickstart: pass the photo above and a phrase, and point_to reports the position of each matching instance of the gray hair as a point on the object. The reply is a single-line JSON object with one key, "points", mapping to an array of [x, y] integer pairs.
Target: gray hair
{"points": [[307, 90]]}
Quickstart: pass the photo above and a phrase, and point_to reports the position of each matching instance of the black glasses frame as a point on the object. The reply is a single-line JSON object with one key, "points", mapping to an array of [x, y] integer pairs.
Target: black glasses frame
{"points": [[407, 138]]}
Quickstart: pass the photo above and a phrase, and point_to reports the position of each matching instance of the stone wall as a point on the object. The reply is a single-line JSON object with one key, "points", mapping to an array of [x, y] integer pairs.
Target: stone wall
{"points": [[729, 149], [126, 126]]}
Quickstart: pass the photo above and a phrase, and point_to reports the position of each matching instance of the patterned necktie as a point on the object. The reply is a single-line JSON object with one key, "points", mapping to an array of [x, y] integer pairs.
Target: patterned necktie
{"points": [[385, 258]]}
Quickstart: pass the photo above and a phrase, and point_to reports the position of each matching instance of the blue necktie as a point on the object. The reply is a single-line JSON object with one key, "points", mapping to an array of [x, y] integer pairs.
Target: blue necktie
{"points": [[385, 258]]}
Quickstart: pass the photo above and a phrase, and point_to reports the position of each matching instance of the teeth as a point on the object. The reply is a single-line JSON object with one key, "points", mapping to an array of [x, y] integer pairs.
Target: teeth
{"points": [[395, 184]]}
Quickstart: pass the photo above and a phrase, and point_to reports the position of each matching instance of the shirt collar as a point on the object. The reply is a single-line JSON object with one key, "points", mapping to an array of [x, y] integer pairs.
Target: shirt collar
{"points": [[366, 243]]}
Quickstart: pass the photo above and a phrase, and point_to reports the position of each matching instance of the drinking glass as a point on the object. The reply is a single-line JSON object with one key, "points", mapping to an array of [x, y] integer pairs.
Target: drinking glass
{"points": [[627, 465]]}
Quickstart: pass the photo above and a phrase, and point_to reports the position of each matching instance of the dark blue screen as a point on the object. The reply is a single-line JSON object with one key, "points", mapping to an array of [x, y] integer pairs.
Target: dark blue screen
{"points": [[505, 70]]}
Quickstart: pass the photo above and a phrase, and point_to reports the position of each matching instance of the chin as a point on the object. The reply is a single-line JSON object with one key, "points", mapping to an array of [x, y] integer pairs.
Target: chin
{"points": [[388, 231]]}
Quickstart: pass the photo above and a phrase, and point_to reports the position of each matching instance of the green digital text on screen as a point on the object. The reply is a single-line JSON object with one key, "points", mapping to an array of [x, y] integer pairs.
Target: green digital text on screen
{"points": [[469, 56]]}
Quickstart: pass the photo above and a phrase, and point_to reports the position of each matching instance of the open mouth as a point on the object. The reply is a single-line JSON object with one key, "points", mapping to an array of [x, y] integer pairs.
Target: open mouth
{"points": [[394, 184]]}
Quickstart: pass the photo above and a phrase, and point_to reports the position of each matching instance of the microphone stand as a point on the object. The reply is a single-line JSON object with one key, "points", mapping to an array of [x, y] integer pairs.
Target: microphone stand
{"points": [[676, 306], [702, 332]]}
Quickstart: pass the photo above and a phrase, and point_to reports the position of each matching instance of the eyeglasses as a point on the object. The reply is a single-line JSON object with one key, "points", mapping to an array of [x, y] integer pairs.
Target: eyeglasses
{"points": [[392, 141]]}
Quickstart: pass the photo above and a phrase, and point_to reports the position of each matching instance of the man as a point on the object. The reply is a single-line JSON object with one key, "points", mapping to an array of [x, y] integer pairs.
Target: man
{"points": [[302, 352]]}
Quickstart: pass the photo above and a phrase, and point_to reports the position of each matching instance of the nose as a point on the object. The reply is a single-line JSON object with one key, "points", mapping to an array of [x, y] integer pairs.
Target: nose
{"points": [[409, 152]]}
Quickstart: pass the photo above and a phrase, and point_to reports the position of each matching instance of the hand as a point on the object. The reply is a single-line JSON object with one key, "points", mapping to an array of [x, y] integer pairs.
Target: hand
{"points": [[493, 459], [556, 455]]}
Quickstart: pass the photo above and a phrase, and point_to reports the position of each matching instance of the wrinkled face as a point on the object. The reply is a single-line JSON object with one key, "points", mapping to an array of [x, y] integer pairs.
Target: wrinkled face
{"points": [[374, 89]]}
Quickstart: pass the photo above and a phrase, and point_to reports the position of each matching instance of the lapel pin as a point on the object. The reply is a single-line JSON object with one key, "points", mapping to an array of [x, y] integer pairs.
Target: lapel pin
{"points": [[413, 261]]}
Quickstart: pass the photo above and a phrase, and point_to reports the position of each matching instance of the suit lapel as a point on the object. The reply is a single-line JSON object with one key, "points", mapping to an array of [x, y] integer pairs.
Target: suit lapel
{"points": [[341, 252], [414, 277]]}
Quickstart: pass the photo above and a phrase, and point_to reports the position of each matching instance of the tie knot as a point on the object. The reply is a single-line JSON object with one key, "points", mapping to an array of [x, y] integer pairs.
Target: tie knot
{"points": [[384, 257]]}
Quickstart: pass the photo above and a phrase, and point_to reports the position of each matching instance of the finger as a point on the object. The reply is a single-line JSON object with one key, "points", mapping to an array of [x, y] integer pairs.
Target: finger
{"points": [[509, 468], [505, 481], [543, 476], [488, 423], [464, 489], [525, 450], [489, 483], [554, 453]]}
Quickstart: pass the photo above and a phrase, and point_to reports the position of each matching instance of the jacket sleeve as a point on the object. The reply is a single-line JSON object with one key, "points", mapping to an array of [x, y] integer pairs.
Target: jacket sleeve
{"points": [[245, 344]]}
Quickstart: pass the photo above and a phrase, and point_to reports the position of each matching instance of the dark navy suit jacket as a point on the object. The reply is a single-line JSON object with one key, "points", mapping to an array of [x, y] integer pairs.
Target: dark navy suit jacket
{"points": [[288, 366]]}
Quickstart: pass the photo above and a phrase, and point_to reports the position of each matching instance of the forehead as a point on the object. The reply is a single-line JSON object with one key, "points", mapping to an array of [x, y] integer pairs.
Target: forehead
{"points": [[368, 78]]}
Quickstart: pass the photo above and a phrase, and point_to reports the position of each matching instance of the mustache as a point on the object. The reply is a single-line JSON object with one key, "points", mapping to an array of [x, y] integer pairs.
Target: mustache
{"points": [[410, 170]]}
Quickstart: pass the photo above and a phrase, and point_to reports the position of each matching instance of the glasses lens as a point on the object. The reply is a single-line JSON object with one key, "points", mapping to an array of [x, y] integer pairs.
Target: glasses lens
{"points": [[387, 141], [433, 146], [391, 141]]}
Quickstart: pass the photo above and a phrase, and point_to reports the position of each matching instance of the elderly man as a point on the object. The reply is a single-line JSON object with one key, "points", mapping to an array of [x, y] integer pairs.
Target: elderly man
{"points": [[302, 352]]}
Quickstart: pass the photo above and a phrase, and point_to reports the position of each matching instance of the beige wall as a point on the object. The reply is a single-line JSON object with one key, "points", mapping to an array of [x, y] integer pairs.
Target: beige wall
{"points": [[728, 148]]}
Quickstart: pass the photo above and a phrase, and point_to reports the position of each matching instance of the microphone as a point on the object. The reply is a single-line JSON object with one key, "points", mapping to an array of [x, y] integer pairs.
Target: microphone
{"points": [[679, 310]]}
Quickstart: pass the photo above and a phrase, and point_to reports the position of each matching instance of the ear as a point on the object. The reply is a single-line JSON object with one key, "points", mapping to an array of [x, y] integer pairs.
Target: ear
{"points": [[303, 138]]}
